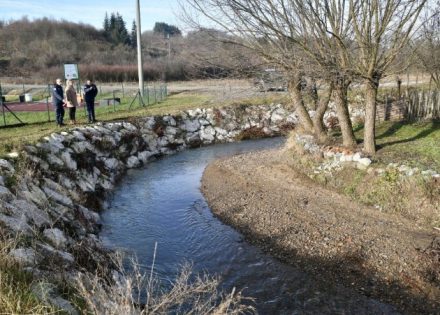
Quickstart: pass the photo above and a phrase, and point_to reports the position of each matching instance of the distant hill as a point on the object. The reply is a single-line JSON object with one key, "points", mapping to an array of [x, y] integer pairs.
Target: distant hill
{"points": [[38, 49]]}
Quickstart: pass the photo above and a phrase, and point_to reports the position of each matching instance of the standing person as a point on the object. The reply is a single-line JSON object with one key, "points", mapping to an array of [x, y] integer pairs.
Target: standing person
{"points": [[58, 102], [72, 101], [90, 92]]}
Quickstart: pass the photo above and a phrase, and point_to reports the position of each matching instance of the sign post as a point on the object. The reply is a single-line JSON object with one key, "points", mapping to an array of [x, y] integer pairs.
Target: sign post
{"points": [[71, 71]]}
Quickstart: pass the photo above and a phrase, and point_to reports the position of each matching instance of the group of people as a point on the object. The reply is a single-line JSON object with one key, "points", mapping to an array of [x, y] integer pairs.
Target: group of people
{"points": [[70, 101]]}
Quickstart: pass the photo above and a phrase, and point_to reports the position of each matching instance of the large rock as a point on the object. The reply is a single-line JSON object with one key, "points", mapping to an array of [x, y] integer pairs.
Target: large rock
{"points": [[69, 161], [82, 146], [5, 194], [16, 225], [47, 293], [56, 237], [144, 156], [34, 214], [25, 257], [133, 162], [5, 165], [191, 125], [58, 197], [87, 181], [169, 120], [207, 134], [33, 193], [54, 256], [363, 163], [55, 161]]}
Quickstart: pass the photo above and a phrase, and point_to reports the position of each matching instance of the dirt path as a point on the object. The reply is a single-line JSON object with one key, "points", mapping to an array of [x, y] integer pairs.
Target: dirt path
{"points": [[326, 234]]}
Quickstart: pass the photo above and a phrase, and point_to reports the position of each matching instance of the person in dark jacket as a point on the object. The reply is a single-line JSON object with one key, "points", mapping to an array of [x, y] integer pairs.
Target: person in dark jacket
{"points": [[90, 92], [58, 102]]}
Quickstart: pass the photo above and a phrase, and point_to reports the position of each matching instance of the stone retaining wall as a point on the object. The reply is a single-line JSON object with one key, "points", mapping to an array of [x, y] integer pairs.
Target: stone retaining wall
{"points": [[51, 193]]}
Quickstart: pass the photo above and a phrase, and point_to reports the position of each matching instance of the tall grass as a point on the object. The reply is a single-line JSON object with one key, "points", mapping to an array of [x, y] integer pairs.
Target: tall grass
{"points": [[16, 296], [139, 293]]}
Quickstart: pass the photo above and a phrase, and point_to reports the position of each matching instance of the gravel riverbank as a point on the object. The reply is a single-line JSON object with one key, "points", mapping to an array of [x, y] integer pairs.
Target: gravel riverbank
{"points": [[326, 234]]}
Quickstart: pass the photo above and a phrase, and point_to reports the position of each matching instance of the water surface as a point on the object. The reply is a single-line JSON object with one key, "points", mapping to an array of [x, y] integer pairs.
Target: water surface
{"points": [[162, 203]]}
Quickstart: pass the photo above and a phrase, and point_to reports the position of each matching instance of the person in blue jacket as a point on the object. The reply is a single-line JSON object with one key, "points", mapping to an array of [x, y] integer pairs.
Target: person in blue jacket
{"points": [[58, 102], [90, 92]]}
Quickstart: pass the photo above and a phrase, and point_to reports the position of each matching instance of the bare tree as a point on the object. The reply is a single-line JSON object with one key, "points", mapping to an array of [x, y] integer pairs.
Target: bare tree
{"points": [[382, 28], [428, 47], [298, 35]]}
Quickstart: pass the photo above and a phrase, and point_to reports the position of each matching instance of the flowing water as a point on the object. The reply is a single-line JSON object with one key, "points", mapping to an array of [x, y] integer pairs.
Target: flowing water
{"points": [[162, 203]]}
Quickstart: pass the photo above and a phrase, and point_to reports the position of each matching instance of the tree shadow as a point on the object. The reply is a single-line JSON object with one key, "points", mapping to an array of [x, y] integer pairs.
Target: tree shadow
{"points": [[347, 275], [396, 126], [435, 125]]}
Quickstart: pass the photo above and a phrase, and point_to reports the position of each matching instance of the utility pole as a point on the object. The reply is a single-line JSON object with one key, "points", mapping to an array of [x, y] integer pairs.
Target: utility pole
{"points": [[139, 50]]}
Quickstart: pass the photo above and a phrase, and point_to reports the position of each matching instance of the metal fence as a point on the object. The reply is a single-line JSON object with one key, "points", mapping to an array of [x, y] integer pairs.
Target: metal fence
{"points": [[15, 110]]}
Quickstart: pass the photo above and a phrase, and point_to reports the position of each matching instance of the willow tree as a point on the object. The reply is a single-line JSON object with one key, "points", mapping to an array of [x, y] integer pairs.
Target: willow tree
{"points": [[273, 30], [325, 33], [382, 28]]}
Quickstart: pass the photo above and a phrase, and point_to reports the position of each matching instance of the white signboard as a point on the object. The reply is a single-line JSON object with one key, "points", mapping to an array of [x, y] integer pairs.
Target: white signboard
{"points": [[71, 71]]}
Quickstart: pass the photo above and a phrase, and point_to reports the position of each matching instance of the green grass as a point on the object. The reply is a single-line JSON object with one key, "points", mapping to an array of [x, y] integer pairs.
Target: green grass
{"points": [[412, 144], [37, 125]]}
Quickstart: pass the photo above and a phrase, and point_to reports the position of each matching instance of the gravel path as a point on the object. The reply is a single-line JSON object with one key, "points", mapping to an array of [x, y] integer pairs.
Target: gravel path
{"points": [[324, 233]]}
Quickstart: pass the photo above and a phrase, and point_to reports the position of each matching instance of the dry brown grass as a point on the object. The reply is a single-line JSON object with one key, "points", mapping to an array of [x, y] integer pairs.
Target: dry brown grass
{"points": [[16, 296], [136, 292]]}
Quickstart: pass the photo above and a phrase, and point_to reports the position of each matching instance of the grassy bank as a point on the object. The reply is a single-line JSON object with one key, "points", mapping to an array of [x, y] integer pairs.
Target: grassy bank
{"points": [[416, 197], [11, 137]]}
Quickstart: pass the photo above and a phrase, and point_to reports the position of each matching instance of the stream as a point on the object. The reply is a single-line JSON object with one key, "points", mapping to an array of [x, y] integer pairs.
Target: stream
{"points": [[162, 203]]}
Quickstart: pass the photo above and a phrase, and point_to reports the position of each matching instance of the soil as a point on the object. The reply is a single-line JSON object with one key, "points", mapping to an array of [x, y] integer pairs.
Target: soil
{"points": [[331, 237]]}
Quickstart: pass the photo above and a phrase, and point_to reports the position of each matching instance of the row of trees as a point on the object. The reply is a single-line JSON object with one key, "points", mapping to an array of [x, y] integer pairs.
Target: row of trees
{"points": [[37, 50], [115, 30], [335, 41]]}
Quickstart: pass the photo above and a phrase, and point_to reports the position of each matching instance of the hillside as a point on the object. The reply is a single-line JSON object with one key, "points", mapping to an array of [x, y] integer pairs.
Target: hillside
{"points": [[36, 50]]}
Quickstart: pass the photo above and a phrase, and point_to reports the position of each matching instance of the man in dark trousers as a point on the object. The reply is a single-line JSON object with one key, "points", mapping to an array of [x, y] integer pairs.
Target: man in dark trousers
{"points": [[58, 102], [90, 92]]}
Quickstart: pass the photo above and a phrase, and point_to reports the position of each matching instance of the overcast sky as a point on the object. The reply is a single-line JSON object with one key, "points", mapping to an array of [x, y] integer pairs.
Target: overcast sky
{"points": [[92, 12]]}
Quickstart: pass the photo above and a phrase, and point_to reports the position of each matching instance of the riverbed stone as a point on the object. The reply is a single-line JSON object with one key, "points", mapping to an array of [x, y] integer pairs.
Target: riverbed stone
{"points": [[6, 166]]}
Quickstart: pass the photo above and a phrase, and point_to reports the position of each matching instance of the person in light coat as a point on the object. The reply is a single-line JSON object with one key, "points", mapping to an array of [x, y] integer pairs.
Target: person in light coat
{"points": [[71, 101]]}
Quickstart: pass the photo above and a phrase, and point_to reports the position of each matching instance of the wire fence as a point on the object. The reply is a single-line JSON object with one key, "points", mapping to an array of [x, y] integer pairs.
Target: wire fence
{"points": [[33, 104]]}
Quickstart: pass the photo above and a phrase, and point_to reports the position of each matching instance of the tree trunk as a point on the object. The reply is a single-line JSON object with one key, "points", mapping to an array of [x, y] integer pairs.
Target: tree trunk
{"points": [[298, 103], [318, 119], [340, 97], [371, 87]]}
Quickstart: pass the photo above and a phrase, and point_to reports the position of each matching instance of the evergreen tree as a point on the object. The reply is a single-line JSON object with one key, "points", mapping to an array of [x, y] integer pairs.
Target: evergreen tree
{"points": [[121, 31], [115, 30], [166, 29], [106, 24], [133, 35]]}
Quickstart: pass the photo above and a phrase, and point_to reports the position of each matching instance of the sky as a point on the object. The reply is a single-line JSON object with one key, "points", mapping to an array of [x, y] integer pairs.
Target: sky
{"points": [[93, 12]]}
